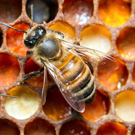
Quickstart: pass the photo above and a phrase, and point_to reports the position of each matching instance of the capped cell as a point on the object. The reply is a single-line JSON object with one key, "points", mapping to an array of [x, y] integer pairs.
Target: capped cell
{"points": [[43, 10], [39, 127], [64, 28], [112, 78], [79, 11], [8, 128], [10, 10], [98, 108], [126, 43], [96, 37], [114, 12], [125, 105], [56, 107], [75, 127], [112, 128], [25, 105], [9, 69], [15, 39]]}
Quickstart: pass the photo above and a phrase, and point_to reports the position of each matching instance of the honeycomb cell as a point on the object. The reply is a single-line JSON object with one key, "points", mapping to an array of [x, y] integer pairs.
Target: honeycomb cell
{"points": [[10, 10], [8, 128], [133, 74], [126, 43], [66, 29], [114, 12], [56, 107], [133, 131], [79, 11], [31, 66], [113, 79], [43, 10], [75, 127], [9, 69], [25, 105], [15, 39], [112, 128], [125, 105], [96, 37], [39, 127], [98, 108]]}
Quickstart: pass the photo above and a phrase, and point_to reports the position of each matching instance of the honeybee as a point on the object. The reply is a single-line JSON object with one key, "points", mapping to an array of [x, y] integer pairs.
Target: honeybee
{"points": [[65, 63]]}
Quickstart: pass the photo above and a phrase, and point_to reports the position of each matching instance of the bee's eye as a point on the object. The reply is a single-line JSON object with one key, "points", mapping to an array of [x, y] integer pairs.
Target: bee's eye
{"points": [[32, 38]]}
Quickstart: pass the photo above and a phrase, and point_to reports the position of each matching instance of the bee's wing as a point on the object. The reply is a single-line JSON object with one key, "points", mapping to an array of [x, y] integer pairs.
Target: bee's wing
{"points": [[72, 101], [104, 60], [45, 84]]}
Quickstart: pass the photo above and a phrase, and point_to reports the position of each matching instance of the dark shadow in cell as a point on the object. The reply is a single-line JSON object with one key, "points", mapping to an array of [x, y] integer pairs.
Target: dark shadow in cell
{"points": [[39, 127], [10, 10], [1, 38], [8, 128], [43, 10]]}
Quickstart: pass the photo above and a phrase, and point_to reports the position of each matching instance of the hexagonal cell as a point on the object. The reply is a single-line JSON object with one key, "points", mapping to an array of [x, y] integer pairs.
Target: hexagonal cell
{"points": [[25, 105], [75, 127], [96, 37], [8, 128], [43, 10], [10, 10], [125, 105], [9, 69], [114, 12], [80, 11], [113, 79], [15, 39], [39, 127], [64, 28], [112, 128], [31, 66], [56, 107], [126, 43], [98, 108]]}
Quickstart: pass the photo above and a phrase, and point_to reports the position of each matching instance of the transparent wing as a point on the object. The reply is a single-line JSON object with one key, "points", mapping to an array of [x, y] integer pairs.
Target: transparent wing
{"points": [[67, 94], [45, 86], [91, 55]]}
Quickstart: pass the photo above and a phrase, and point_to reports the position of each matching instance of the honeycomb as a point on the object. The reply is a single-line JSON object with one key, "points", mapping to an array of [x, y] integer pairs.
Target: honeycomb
{"points": [[105, 25]]}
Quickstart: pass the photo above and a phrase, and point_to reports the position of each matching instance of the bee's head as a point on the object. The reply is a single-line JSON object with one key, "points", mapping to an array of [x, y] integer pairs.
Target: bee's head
{"points": [[32, 35]]}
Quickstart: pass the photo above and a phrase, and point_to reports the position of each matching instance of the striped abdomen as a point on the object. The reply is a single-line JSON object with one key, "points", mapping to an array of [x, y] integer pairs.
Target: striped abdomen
{"points": [[77, 78]]}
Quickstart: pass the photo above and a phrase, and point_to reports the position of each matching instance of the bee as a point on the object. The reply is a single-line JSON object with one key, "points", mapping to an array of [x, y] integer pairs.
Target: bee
{"points": [[65, 63]]}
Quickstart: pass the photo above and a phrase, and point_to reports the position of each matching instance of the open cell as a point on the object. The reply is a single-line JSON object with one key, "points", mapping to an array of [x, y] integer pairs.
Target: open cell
{"points": [[133, 74], [133, 131], [79, 11], [43, 10], [75, 127], [25, 105], [39, 127], [1, 38], [64, 28], [96, 37], [112, 78], [125, 105], [8, 128], [98, 108], [31, 66], [114, 12], [10, 10], [15, 39], [112, 128], [126, 43], [9, 69], [56, 107]]}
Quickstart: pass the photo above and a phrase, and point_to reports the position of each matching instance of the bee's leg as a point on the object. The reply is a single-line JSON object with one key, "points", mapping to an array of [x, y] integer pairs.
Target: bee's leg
{"points": [[32, 74], [29, 53]]}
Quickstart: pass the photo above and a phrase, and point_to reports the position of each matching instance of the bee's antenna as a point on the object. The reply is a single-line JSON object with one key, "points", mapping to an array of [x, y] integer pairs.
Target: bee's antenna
{"points": [[14, 28], [31, 16], [8, 96]]}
